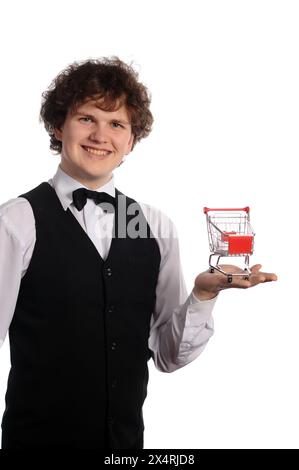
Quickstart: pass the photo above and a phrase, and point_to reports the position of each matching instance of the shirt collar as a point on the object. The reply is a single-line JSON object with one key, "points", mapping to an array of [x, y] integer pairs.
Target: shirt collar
{"points": [[64, 186]]}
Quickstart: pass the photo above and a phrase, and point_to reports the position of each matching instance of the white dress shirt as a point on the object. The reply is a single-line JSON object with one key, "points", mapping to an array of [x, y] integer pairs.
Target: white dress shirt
{"points": [[181, 325]]}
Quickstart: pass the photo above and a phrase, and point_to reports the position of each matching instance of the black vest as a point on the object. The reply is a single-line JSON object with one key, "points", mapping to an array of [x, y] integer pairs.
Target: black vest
{"points": [[79, 335]]}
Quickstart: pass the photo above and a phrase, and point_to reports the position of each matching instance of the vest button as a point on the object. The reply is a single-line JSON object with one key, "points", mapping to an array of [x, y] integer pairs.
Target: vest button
{"points": [[114, 383], [110, 308], [113, 346]]}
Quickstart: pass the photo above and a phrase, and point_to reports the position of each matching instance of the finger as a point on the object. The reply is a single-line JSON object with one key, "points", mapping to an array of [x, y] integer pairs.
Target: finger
{"points": [[260, 278], [268, 277], [252, 280], [255, 268], [265, 277]]}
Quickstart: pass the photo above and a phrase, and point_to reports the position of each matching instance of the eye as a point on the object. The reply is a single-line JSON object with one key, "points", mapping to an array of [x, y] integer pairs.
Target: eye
{"points": [[116, 124], [85, 119]]}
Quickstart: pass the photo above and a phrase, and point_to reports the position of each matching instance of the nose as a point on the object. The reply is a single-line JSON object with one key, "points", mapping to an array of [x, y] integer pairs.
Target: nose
{"points": [[99, 133]]}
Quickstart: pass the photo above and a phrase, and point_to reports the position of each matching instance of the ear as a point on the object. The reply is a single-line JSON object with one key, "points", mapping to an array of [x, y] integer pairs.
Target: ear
{"points": [[58, 134]]}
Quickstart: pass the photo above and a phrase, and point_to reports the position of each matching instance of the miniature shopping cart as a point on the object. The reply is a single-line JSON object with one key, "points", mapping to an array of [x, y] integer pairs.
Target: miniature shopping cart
{"points": [[230, 234]]}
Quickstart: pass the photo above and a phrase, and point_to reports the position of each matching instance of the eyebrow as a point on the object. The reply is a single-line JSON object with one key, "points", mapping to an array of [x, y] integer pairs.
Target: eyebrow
{"points": [[86, 114]]}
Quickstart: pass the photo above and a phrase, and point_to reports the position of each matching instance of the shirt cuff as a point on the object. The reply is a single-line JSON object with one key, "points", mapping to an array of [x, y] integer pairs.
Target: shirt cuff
{"points": [[198, 311], [195, 301]]}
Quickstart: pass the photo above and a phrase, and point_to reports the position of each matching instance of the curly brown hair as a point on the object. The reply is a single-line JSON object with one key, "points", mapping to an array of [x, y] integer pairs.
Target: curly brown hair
{"points": [[109, 79]]}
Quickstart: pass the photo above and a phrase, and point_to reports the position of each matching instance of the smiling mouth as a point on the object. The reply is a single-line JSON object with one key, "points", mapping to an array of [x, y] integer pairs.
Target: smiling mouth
{"points": [[97, 152]]}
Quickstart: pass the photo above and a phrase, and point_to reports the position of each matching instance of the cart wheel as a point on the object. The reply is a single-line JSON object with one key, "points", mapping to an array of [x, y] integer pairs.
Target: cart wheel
{"points": [[212, 270], [246, 278], [229, 278]]}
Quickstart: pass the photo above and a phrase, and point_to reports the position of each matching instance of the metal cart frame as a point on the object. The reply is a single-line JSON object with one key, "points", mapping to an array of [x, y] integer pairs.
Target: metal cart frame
{"points": [[230, 234]]}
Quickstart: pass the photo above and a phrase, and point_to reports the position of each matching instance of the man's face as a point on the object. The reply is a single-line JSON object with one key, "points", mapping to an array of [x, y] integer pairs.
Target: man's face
{"points": [[94, 142]]}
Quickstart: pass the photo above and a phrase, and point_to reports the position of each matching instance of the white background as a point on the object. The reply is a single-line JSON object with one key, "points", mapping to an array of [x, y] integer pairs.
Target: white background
{"points": [[224, 78]]}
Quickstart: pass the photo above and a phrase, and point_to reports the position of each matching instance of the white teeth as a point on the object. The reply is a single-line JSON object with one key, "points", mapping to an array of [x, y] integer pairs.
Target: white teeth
{"points": [[100, 153]]}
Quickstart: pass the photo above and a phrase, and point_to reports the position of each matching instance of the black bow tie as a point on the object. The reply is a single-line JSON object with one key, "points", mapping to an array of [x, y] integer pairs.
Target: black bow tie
{"points": [[80, 197]]}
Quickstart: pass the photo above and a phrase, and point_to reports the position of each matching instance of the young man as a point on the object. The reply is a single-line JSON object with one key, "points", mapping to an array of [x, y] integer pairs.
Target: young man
{"points": [[90, 281]]}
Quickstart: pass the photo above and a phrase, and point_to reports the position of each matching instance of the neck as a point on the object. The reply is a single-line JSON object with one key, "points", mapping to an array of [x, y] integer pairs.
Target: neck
{"points": [[90, 183]]}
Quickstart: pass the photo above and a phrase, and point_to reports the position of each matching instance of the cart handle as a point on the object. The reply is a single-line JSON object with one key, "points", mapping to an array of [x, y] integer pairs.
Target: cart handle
{"points": [[245, 209]]}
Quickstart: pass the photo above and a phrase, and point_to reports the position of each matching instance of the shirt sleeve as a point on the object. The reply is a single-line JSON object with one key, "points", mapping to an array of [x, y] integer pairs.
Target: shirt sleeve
{"points": [[181, 324], [17, 229]]}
